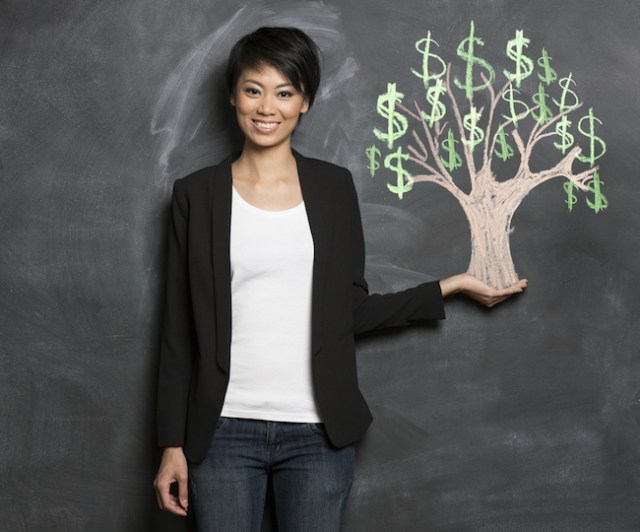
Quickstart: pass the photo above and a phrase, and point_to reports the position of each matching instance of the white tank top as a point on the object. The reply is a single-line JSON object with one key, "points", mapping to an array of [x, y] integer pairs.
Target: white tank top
{"points": [[271, 276]]}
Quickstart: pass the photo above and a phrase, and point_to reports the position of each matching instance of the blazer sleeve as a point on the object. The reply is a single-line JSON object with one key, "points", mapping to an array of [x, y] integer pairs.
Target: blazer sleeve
{"points": [[178, 336], [397, 309]]}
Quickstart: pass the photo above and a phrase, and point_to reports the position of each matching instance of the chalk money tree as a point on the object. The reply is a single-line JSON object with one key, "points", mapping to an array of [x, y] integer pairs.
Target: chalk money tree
{"points": [[515, 114]]}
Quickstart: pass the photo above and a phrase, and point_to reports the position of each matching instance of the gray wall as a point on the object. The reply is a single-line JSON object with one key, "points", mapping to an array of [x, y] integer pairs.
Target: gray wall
{"points": [[525, 417]]}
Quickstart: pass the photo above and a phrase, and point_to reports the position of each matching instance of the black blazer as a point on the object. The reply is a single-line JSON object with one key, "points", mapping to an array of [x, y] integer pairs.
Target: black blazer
{"points": [[194, 353]]}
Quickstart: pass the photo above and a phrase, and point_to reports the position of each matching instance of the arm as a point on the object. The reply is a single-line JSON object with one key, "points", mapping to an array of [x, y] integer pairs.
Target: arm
{"points": [[378, 311], [176, 352], [423, 302]]}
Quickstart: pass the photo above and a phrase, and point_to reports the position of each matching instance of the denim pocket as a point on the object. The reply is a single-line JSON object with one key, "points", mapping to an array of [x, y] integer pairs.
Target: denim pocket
{"points": [[317, 429], [222, 421]]}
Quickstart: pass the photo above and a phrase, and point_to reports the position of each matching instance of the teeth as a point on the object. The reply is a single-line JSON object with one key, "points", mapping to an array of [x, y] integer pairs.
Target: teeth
{"points": [[266, 125]]}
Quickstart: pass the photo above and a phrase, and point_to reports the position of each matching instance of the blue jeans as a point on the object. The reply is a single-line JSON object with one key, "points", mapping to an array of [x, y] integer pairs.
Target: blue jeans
{"points": [[311, 479]]}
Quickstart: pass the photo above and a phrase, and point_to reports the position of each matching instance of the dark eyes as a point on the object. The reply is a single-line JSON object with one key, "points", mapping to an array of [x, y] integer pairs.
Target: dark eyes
{"points": [[252, 91]]}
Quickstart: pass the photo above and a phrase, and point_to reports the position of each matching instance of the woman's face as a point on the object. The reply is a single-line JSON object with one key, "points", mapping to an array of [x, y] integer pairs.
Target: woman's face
{"points": [[267, 106]]}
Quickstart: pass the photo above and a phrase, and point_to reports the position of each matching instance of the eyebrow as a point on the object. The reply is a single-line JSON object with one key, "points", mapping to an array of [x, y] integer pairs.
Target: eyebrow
{"points": [[277, 86]]}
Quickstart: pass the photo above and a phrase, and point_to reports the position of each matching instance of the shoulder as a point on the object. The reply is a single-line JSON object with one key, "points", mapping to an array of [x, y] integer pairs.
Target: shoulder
{"points": [[321, 164], [324, 169], [200, 179]]}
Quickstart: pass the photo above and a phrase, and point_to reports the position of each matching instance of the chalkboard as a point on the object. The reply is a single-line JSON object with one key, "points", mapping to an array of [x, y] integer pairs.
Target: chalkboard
{"points": [[524, 417]]}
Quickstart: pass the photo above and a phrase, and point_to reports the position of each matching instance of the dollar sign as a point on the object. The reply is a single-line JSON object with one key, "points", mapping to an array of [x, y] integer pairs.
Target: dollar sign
{"points": [[593, 139], [567, 138], [424, 47], [466, 52], [599, 202], [470, 122], [562, 104], [508, 96], [397, 123], [372, 154], [404, 180], [524, 65], [544, 113], [569, 187], [453, 160], [438, 110], [503, 150], [549, 75]]}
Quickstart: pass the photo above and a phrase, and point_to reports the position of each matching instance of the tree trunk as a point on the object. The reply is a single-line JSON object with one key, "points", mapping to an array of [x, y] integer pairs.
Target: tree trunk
{"points": [[490, 224]]}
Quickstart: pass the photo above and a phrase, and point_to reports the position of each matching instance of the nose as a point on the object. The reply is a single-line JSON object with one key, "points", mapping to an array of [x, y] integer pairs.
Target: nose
{"points": [[267, 105]]}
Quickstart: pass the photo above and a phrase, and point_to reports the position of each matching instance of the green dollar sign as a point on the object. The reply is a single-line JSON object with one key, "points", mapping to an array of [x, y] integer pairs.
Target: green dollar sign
{"points": [[466, 52], [503, 150], [438, 110], [524, 65], [550, 74], [566, 91], [508, 96], [424, 47], [566, 138], [476, 134], [600, 202], [397, 123], [544, 113], [404, 180], [592, 157], [453, 160], [372, 154], [569, 187]]}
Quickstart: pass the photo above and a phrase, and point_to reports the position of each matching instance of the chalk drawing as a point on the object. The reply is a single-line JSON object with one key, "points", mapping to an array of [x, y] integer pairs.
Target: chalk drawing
{"points": [[504, 125]]}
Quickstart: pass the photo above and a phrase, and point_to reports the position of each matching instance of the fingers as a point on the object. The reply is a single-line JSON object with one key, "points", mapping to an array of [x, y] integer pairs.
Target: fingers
{"points": [[183, 494], [169, 502], [157, 490], [173, 468], [491, 297], [521, 284], [514, 289], [511, 290]]}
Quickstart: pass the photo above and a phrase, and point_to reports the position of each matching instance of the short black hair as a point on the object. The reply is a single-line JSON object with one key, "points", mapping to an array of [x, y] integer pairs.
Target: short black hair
{"points": [[289, 50]]}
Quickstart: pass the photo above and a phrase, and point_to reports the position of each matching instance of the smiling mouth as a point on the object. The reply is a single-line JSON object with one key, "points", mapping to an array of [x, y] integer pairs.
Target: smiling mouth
{"points": [[268, 126]]}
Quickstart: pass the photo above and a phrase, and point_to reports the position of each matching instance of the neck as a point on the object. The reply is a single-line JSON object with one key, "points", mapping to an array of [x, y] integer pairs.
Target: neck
{"points": [[265, 163]]}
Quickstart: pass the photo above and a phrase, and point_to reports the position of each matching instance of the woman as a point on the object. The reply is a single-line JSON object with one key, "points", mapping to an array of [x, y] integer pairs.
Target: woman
{"points": [[265, 292]]}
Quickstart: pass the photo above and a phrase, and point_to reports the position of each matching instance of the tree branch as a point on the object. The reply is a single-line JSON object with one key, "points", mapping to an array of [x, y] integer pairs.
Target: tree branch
{"points": [[550, 134], [425, 165], [524, 157], [424, 154], [439, 180], [536, 136], [413, 115], [487, 155], [563, 169], [435, 149], [468, 153], [507, 122]]}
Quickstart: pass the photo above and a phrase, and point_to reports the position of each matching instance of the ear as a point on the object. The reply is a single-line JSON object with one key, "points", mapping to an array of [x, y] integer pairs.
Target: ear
{"points": [[305, 106], [232, 100]]}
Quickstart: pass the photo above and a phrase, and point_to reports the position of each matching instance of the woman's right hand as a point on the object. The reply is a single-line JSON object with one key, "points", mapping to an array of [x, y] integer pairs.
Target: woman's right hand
{"points": [[173, 468]]}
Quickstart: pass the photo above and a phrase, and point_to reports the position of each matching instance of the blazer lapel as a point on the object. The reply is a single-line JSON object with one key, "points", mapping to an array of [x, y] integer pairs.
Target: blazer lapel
{"points": [[312, 195], [220, 231]]}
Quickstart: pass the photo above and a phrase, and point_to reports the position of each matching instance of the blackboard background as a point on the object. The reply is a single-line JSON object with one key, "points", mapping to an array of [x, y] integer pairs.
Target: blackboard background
{"points": [[525, 417]]}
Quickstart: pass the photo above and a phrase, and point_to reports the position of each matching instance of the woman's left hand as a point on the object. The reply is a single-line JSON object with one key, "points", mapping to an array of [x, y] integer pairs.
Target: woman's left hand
{"points": [[478, 290]]}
